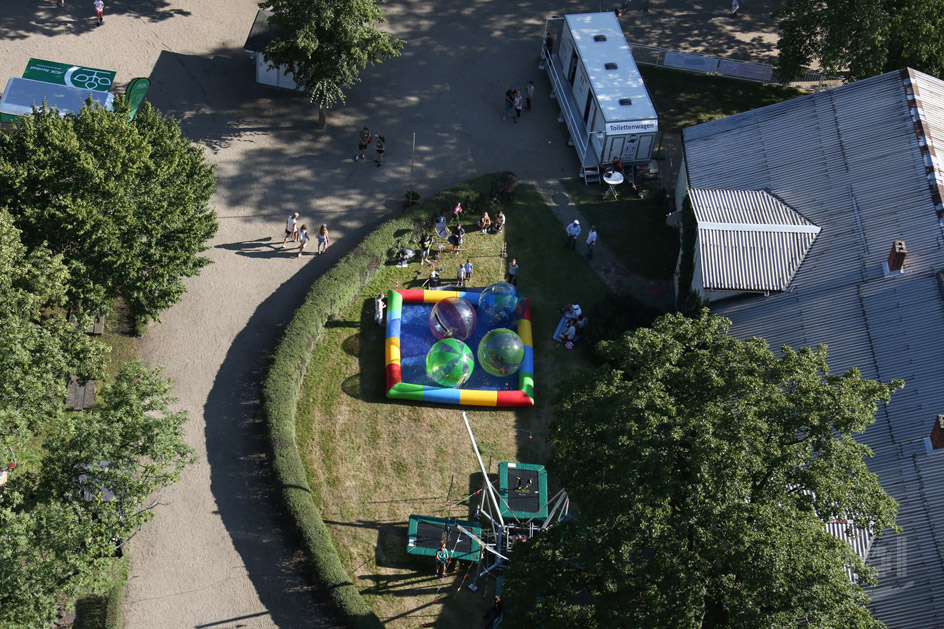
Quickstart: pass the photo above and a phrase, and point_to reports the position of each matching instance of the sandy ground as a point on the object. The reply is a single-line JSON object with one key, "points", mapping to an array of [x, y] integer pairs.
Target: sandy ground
{"points": [[219, 553]]}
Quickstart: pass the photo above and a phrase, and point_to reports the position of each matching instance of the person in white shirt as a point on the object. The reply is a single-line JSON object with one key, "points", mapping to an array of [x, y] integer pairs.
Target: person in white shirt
{"points": [[460, 276], [291, 229], [573, 231], [591, 241], [302, 239], [99, 9]]}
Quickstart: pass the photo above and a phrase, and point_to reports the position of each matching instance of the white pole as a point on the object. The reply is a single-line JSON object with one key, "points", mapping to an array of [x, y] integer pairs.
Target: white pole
{"points": [[412, 160], [491, 490]]}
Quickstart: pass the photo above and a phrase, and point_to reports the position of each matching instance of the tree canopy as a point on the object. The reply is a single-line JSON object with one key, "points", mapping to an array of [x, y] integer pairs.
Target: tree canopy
{"points": [[125, 203], [705, 468], [39, 348], [61, 525], [324, 44], [861, 38], [85, 479]]}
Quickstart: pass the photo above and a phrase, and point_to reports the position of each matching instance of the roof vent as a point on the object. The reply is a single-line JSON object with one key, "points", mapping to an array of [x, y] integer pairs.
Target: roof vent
{"points": [[599, 38], [937, 433], [896, 259], [626, 101], [610, 66]]}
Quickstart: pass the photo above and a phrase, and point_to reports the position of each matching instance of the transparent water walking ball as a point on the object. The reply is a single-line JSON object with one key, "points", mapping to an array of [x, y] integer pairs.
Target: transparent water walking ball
{"points": [[500, 304], [453, 317], [449, 363], [501, 352]]}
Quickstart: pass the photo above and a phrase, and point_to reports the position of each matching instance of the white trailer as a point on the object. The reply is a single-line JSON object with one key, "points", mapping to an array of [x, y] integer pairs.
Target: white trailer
{"points": [[601, 94]]}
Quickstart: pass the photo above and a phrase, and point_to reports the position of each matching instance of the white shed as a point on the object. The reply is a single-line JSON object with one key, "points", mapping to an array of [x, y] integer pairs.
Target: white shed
{"points": [[259, 36], [602, 96]]}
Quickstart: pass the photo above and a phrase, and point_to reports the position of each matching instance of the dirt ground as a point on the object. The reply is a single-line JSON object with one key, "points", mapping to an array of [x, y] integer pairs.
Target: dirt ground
{"points": [[219, 553]]}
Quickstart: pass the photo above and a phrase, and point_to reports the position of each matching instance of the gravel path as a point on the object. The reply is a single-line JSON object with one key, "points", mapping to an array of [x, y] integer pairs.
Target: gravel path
{"points": [[219, 553]]}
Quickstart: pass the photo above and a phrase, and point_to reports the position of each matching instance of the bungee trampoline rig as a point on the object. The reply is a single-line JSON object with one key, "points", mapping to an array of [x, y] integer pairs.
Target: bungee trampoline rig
{"points": [[513, 510]]}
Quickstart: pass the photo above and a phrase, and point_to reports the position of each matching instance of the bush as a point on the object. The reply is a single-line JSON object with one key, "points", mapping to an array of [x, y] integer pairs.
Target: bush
{"points": [[689, 303], [329, 296]]}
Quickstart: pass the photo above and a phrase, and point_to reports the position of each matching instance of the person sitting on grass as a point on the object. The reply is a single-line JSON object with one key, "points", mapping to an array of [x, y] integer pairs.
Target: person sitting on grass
{"points": [[581, 322], [485, 222], [569, 333], [572, 311], [499, 222]]}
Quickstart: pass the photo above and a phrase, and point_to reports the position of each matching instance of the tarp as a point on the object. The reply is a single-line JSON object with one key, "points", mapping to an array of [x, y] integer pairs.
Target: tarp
{"points": [[21, 95]]}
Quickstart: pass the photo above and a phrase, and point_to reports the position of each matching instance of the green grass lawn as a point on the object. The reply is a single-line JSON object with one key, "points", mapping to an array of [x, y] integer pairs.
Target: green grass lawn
{"points": [[684, 99], [373, 462], [633, 229]]}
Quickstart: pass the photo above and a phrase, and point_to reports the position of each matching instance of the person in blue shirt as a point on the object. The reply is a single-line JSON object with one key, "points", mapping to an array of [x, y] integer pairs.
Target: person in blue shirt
{"points": [[442, 560]]}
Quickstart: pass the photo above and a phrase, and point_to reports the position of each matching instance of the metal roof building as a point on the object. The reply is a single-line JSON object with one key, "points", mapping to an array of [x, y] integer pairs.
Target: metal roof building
{"points": [[862, 163]]}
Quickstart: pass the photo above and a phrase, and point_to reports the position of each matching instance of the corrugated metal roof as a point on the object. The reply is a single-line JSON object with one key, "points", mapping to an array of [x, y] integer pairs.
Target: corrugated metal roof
{"points": [[861, 162], [749, 240]]}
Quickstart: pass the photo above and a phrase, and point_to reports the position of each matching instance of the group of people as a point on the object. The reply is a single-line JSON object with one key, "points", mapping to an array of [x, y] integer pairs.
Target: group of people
{"points": [[576, 322], [514, 102], [464, 274], [573, 232], [299, 234], [488, 226], [364, 139]]}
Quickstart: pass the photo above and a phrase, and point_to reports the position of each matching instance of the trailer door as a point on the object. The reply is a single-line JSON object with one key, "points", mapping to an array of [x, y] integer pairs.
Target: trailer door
{"points": [[617, 142], [644, 148]]}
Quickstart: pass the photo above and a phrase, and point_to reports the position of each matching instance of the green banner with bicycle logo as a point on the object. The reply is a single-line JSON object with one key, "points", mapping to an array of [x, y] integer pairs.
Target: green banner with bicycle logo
{"points": [[65, 74]]}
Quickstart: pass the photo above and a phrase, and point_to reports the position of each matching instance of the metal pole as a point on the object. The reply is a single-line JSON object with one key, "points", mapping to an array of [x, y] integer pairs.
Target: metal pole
{"points": [[488, 485]]}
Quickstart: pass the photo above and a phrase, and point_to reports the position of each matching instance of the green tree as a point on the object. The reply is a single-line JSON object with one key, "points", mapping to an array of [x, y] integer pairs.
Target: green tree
{"points": [[61, 526], [124, 203], [39, 348], [324, 44], [705, 468], [862, 38]]}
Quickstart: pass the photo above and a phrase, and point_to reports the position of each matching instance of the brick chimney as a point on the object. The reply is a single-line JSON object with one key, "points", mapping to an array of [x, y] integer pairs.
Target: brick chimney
{"points": [[937, 433], [896, 258]]}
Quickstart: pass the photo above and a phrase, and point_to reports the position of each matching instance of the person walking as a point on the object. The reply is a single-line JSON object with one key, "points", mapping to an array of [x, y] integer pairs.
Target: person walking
{"points": [[509, 102], [363, 139], [513, 272], [323, 241], [302, 239], [99, 9], [735, 5], [573, 231], [529, 94], [291, 228], [591, 241], [380, 150], [517, 106]]}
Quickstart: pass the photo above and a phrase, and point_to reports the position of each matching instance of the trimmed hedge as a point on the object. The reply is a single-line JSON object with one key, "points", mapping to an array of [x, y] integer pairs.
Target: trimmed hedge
{"points": [[328, 297]]}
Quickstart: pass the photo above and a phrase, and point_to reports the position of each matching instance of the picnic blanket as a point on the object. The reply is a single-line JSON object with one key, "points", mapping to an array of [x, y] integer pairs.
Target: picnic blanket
{"points": [[561, 326]]}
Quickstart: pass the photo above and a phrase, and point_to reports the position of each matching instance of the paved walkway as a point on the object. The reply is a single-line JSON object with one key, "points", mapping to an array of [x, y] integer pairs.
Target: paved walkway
{"points": [[219, 554]]}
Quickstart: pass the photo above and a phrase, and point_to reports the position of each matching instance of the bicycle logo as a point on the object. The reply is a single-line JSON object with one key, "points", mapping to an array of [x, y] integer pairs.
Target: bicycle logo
{"points": [[88, 78]]}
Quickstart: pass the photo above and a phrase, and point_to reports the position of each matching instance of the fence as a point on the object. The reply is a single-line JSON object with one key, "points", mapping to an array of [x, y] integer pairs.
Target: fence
{"points": [[760, 72]]}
